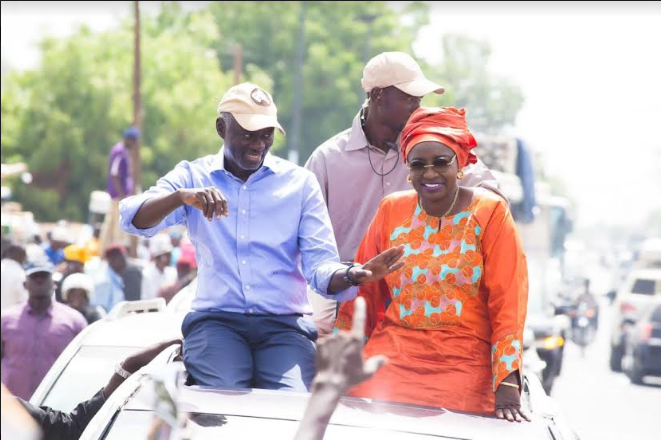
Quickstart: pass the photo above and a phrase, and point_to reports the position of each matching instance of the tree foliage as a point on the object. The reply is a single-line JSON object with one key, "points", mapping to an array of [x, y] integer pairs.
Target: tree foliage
{"points": [[63, 117]]}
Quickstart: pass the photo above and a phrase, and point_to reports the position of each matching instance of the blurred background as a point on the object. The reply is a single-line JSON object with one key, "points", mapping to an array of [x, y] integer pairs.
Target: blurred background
{"points": [[565, 98]]}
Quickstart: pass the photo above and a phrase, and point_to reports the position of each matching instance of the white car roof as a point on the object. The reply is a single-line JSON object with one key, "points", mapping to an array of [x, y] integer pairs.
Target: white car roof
{"points": [[353, 412], [136, 330], [648, 274]]}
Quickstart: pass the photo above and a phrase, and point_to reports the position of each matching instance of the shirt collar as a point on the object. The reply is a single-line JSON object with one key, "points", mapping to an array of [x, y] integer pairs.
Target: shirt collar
{"points": [[357, 138], [49, 310], [271, 162]]}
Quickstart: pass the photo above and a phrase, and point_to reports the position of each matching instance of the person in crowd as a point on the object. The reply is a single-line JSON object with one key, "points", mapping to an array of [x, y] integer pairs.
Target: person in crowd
{"points": [[158, 273], [13, 276], [35, 332], [58, 239], [77, 289], [75, 258], [109, 287], [120, 184], [451, 322]]}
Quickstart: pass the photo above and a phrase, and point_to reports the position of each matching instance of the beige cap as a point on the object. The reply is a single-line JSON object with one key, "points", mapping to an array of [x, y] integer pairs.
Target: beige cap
{"points": [[400, 70], [252, 107]]}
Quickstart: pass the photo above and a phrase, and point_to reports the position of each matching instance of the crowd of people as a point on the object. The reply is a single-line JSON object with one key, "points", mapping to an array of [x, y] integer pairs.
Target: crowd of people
{"points": [[396, 210], [50, 292]]}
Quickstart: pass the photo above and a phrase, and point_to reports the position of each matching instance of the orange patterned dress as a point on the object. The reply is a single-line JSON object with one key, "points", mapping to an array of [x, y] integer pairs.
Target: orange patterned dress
{"points": [[451, 320]]}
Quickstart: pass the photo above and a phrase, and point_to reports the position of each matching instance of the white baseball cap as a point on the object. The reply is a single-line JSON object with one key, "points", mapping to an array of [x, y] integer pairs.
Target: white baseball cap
{"points": [[400, 70], [77, 281], [252, 107], [160, 245]]}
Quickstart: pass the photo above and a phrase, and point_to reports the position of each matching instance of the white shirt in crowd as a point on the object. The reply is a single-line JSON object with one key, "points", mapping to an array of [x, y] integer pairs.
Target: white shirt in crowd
{"points": [[13, 277], [153, 279]]}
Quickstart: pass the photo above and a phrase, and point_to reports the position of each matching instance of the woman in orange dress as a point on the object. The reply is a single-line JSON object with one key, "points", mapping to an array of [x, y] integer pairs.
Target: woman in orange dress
{"points": [[451, 321]]}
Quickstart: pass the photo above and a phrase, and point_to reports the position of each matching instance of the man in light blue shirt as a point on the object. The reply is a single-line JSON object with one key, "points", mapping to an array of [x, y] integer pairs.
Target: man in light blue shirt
{"points": [[262, 233], [109, 287]]}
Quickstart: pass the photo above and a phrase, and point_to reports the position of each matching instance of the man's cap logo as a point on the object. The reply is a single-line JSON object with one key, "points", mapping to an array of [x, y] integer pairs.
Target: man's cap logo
{"points": [[260, 97]]}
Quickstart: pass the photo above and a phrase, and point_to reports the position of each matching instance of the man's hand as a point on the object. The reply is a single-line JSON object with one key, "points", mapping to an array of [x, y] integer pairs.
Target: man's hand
{"points": [[209, 200], [508, 404], [378, 267], [340, 357], [134, 362], [138, 360]]}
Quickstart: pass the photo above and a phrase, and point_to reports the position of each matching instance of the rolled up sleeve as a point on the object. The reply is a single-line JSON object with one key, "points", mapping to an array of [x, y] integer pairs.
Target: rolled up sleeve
{"points": [[176, 179], [319, 256]]}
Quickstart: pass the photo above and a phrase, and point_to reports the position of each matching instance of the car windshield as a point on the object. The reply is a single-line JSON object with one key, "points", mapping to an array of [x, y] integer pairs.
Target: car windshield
{"points": [[137, 424], [643, 287], [87, 372]]}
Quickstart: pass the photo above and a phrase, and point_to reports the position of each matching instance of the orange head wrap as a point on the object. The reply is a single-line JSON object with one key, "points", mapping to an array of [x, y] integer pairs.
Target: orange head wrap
{"points": [[440, 124]]}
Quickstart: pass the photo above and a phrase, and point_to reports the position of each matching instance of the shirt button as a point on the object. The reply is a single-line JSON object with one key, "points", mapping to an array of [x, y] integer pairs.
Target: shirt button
{"points": [[250, 310], [387, 183], [242, 237], [245, 187], [248, 287], [243, 262], [243, 211]]}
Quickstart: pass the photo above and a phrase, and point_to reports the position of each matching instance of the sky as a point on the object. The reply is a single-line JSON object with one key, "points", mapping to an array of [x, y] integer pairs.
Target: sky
{"points": [[590, 73]]}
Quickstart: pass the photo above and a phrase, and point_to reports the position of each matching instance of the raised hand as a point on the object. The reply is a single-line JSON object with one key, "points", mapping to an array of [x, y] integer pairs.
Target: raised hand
{"points": [[378, 267]]}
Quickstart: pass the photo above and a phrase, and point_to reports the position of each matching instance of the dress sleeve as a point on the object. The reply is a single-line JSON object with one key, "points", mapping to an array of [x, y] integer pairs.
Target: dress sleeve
{"points": [[506, 281]]}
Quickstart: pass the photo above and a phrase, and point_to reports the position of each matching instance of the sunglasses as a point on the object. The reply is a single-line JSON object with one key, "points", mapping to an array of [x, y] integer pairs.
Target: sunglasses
{"points": [[440, 165]]}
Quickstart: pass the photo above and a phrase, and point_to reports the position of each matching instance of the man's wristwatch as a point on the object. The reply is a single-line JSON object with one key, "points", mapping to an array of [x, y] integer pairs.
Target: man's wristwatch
{"points": [[348, 280], [119, 369]]}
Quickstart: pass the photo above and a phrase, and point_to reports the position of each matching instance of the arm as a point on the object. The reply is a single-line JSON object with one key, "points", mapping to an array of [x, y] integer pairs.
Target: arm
{"points": [[60, 425], [162, 205], [320, 261], [506, 281]]}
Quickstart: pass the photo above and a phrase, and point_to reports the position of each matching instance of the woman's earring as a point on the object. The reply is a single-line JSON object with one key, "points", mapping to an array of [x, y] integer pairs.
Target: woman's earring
{"points": [[408, 179], [460, 174]]}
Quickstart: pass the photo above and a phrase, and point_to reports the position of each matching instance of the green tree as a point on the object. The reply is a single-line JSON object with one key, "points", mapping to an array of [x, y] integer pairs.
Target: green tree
{"points": [[63, 117], [340, 37]]}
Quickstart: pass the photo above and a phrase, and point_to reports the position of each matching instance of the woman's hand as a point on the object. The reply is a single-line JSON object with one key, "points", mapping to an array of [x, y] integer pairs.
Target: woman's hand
{"points": [[508, 403], [378, 267]]}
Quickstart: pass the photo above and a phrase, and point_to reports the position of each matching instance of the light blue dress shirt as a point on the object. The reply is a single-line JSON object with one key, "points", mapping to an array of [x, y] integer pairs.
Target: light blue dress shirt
{"points": [[108, 291], [277, 238]]}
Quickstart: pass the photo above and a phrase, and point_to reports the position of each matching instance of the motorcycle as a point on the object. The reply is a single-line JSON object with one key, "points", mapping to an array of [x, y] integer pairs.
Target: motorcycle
{"points": [[583, 331]]}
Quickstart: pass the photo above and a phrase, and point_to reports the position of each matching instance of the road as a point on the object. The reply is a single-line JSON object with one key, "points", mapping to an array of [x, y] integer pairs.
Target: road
{"points": [[600, 404]]}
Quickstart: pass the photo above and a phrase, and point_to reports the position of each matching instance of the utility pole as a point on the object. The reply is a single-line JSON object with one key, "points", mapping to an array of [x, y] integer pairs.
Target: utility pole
{"points": [[137, 101], [137, 117], [294, 147]]}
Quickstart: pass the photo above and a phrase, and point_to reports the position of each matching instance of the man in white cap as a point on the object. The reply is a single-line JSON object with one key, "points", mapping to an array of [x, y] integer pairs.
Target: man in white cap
{"points": [[261, 233], [158, 273], [366, 156], [35, 333]]}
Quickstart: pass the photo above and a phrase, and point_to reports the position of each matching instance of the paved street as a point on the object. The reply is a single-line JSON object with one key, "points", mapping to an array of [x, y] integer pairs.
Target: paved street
{"points": [[602, 405]]}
